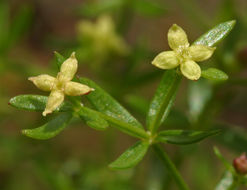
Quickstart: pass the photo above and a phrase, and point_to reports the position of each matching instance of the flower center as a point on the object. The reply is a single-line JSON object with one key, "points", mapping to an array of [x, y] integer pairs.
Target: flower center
{"points": [[182, 53]]}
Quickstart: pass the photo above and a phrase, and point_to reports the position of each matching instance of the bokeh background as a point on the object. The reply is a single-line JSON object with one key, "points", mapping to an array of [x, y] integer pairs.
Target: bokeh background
{"points": [[115, 42]]}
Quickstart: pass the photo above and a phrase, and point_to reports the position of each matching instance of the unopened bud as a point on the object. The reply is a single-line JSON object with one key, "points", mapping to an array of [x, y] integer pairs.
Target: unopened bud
{"points": [[240, 164]]}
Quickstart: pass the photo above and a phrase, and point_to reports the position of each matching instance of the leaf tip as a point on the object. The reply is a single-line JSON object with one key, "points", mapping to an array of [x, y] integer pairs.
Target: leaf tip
{"points": [[113, 166], [232, 22], [24, 132]]}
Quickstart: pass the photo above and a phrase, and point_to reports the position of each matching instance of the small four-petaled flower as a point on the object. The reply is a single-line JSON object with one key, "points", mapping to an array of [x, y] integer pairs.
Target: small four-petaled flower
{"points": [[61, 85], [183, 54]]}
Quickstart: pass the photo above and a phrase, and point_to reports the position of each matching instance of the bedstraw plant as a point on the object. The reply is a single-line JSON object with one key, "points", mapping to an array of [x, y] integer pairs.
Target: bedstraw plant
{"points": [[104, 111]]}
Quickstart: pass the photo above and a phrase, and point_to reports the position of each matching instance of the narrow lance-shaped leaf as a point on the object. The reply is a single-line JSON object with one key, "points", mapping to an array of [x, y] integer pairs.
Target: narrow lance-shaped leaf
{"points": [[50, 129], [92, 118], [215, 35], [131, 157], [183, 137], [214, 74], [59, 59], [163, 99], [125, 127], [31, 102], [106, 104]]}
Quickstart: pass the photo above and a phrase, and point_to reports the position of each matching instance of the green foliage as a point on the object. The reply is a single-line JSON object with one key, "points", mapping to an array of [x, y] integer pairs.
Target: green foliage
{"points": [[59, 59], [109, 111], [184, 137], [215, 35], [50, 129], [92, 118], [31, 102], [131, 156], [106, 104], [214, 74], [163, 100]]}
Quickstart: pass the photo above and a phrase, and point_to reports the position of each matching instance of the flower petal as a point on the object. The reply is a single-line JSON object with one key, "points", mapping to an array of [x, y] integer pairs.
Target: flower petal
{"points": [[191, 70], [43, 82], [105, 25], [166, 60], [177, 37], [68, 69], [76, 89], [86, 28], [55, 99], [201, 52]]}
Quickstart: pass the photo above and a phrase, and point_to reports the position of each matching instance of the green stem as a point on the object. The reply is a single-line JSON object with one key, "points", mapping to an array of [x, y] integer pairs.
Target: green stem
{"points": [[171, 167], [120, 125], [125, 127]]}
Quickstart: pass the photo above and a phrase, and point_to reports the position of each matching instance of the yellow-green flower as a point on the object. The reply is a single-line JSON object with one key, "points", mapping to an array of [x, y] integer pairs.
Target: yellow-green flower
{"points": [[61, 85], [103, 35], [183, 54]]}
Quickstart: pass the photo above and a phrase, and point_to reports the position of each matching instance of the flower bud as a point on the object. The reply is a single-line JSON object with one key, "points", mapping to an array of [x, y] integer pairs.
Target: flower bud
{"points": [[240, 164]]}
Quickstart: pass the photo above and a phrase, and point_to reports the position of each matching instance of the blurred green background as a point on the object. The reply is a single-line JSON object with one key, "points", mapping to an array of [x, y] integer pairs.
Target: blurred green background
{"points": [[115, 42]]}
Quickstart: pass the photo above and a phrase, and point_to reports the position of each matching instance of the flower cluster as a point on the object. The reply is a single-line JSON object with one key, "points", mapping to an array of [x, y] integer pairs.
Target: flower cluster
{"points": [[183, 54], [103, 36], [61, 85]]}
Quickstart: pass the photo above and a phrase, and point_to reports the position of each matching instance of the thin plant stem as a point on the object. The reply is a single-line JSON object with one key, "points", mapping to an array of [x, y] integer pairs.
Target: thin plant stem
{"points": [[171, 167]]}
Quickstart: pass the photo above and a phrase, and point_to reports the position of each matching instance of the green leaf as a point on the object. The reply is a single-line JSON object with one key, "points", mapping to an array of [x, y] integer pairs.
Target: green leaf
{"points": [[59, 59], [50, 129], [35, 103], [92, 118], [163, 99], [183, 137], [215, 35], [199, 94], [148, 7], [113, 112], [214, 74], [106, 104], [131, 157]]}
